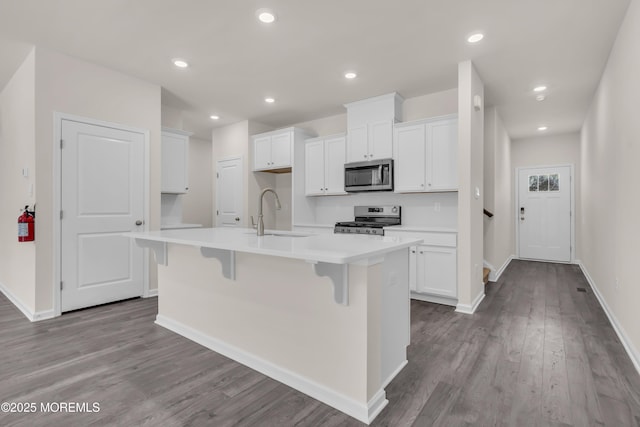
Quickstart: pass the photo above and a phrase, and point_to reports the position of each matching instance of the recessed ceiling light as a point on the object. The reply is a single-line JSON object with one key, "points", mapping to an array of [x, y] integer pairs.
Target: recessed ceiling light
{"points": [[214, 117], [350, 75], [475, 38], [540, 88], [540, 98], [269, 100], [266, 16], [180, 63], [542, 128]]}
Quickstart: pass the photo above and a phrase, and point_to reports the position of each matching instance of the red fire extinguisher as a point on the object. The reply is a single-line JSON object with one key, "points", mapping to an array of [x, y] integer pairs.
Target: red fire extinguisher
{"points": [[26, 225]]}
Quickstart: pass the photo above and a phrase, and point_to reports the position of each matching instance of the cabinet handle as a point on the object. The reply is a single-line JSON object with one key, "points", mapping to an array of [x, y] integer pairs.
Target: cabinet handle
{"points": [[421, 252], [413, 251], [365, 156], [429, 184], [421, 185]]}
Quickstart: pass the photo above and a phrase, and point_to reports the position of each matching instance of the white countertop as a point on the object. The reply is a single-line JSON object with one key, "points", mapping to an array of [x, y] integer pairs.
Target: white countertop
{"points": [[179, 225], [330, 248]]}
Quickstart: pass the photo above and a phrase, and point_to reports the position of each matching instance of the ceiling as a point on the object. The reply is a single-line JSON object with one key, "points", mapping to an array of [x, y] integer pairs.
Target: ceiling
{"points": [[409, 46]]}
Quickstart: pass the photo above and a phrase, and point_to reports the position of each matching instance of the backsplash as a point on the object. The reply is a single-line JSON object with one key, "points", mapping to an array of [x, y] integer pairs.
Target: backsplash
{"points": [[420, 209]]}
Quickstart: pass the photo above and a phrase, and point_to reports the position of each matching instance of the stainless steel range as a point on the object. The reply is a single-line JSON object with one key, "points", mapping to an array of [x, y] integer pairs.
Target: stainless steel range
{"points": [[370, 220]]}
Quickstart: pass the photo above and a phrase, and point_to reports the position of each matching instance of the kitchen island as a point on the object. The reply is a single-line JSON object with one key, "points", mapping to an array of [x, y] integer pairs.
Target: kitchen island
{"points": [[325, 314]]}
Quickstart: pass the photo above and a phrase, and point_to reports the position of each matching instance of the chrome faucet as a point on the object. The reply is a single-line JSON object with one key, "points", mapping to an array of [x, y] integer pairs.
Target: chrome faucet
{"points": [[260, 199]]}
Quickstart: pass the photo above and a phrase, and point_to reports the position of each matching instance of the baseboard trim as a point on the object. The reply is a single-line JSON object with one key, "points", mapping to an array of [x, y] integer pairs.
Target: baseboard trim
{"points": [[434, 298], [26, 311], [362, 412], [470, 309], [495, 276], [151, 293], [633, 353]]}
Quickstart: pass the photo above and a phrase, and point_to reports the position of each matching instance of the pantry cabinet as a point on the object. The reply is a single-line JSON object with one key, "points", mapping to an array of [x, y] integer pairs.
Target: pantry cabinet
{"points": [[426, 155], [175, 161], [324, 165]]}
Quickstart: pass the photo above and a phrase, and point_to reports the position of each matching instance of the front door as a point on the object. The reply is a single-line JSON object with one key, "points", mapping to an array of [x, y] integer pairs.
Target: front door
{"points": [[102, 183], [229, 193], [544, 213]]}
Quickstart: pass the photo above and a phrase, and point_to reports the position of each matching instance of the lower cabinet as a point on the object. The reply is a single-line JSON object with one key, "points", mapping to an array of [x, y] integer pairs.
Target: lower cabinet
{"points": [[433, 270], [433, 266]]}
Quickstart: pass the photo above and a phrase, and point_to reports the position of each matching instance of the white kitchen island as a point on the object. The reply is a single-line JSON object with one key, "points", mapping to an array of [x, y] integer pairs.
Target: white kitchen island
{"points": [[326, 314]]}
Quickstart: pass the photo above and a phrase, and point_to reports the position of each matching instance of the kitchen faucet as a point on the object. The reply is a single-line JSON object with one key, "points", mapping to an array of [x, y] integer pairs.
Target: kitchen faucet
{"points": [[260, 199]]}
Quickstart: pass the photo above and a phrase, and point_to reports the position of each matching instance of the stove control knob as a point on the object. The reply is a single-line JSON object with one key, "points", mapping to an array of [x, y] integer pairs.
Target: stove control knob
{"points": [[394, 209]]}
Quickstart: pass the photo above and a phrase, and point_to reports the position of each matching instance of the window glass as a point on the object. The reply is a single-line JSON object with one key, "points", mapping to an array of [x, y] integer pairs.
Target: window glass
{"points": [[543, 183], [533, 182]]}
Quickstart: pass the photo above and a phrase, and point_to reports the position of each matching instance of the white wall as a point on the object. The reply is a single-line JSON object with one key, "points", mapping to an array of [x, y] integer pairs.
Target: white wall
{"points": [[72, 86], [197, 204], [470, 177], [499, 231], [609, 229], [17, 151]]}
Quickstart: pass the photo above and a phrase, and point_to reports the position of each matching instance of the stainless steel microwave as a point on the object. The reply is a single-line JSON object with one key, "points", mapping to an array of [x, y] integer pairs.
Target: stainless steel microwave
{"points": [[372, 175]]}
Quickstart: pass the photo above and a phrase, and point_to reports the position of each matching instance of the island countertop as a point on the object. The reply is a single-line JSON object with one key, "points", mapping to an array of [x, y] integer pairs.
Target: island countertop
{"points": [[329, 248]]}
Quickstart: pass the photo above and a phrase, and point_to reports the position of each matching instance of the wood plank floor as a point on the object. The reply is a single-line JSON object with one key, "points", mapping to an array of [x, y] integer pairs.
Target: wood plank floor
{"points": [[537, 353]]}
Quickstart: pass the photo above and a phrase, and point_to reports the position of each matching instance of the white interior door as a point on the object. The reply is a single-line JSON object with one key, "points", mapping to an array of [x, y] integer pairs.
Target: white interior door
{"points": [[544, 213], [229, 193], [102, 196]]}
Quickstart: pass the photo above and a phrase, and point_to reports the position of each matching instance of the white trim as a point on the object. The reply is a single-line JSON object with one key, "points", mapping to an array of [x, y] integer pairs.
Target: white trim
{"points": [[631, 350], [572, 197], [151, 293], [57, 192], [28, 313], [494, 276], [470, 309], [434, 298], [393, 374], [362, 412]]}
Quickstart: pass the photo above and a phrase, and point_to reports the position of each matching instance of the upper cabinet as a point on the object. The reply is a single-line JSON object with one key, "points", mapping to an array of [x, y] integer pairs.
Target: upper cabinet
{"points": [[426, 155], [175, 161], [324, 165], [272, 151], [370, 127]]}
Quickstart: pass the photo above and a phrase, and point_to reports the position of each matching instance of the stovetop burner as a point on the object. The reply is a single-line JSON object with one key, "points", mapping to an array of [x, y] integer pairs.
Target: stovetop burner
{"points": [[370, 220]]}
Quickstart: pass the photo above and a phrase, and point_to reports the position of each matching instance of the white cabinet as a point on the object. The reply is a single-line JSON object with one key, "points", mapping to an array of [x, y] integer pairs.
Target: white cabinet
{"points": [[272, 151], [434, 270], [371, 141], [426, 156], [175, 161], [370, 127], [432, 266], [324, 166]]}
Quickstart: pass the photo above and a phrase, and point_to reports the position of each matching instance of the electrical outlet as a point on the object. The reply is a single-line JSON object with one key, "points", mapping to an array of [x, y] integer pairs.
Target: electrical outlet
{"points": [[436, 206], [617, 284]]}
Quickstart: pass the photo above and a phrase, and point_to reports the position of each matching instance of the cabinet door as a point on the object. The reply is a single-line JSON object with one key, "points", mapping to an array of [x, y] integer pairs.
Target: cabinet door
{"points": [[314, 168], [443, 155], [357, 145], [437, 271], [381, 140], [262, 153], [334, 159], [409, 159], [175, 157], [413, 269], [281, 150]]}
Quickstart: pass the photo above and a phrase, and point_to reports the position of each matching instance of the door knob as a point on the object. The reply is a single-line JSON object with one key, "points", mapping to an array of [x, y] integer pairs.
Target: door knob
{"points": [[237, 218], [139, 222]]}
